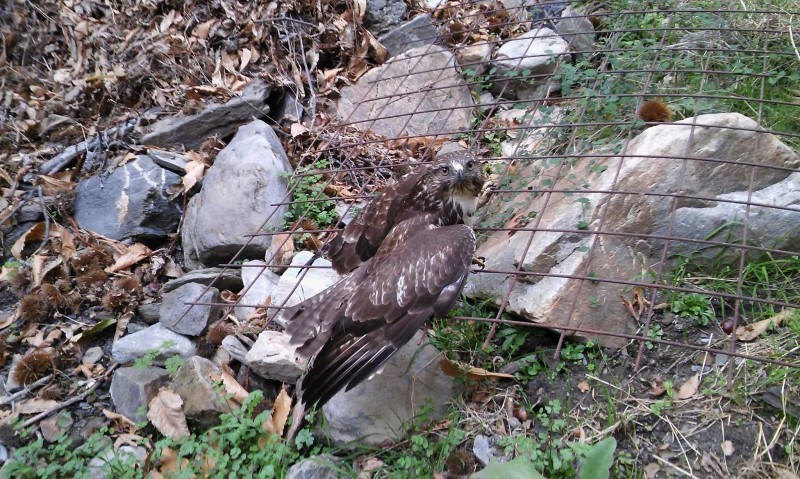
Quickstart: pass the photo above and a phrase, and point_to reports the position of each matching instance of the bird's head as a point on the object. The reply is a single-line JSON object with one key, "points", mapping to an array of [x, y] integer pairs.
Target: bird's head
{"points": [[458, 173]]}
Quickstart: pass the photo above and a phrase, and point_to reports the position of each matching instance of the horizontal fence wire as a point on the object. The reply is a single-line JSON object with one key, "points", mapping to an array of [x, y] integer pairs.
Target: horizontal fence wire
{"points": [[694, 69]]}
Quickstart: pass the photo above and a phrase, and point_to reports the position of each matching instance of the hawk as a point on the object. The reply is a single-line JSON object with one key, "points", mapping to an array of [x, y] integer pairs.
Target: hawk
{"points": [[448, 189], [416, 257]]}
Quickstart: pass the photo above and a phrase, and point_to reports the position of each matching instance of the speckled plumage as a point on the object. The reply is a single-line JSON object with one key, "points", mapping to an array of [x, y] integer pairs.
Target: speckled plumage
{"points": [[416, 257], [427, 189]]}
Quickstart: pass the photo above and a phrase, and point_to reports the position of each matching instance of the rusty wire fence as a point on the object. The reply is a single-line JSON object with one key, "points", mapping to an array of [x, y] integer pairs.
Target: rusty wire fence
{"points": [[693, 62]]}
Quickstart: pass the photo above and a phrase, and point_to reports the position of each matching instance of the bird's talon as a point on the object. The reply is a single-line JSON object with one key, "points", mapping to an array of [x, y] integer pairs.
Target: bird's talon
{"points": [[480, 261]]}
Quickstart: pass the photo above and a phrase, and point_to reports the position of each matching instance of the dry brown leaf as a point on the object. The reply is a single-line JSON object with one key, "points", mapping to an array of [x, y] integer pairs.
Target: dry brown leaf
{"points": [[167, 21], [128, 439], [165, 412], [583, 386], [298, 129], [280, 413], [122, 325], [689, 388], [201, 30], [41, 265], [652, 470], [244, 58], [169, 464], [457, 369], [194, 173], [232, 386], [68, 249], [34, 234], [122, 423], [750, 332], [52, 185], [637, 304], [9, 320], [36, 405], [127, 256]]}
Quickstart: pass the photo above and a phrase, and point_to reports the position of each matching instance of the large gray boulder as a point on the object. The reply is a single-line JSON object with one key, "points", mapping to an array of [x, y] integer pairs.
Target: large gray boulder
{"points": [[650, 166], [247, 178], [129, 203], [420, 92], [216, 119], [374, 411]]}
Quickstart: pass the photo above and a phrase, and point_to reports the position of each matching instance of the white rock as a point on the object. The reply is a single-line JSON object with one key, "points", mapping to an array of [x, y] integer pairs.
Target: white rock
{"points": [[260, 283], [272, 357], [312, 281], [536, 50]]}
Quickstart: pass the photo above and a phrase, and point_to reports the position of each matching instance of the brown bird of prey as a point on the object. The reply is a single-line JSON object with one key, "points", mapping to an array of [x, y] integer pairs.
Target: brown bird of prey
{"points": [[448, 188], [416, 260]]}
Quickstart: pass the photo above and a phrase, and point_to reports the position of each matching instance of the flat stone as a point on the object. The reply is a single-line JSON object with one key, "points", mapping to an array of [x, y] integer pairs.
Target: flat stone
{"points": [[92, 355], [54, 426], [420, 92], [235, 348], [247, 178], [315, 467], [260, 283], [189, 319], [475, 57], [169, 160], [149, 312], [375, 410], [133, 346], [312, 281], [418, 32], [131, 202], [220, 278], [216, 119], [272, 357], [133, 388], [203, 402]]}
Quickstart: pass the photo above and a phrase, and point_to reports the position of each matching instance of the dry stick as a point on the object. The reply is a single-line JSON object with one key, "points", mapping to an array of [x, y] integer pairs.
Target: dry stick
{"points": [[13, 397], [72, 400], [46, 222]]}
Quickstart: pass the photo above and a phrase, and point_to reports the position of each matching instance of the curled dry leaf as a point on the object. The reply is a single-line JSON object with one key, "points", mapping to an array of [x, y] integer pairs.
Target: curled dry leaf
{"points": [[750, 332], [657, 390], [36, 405], [121, 422], [34, 234], [298, 129], [457, 369], [195, 170], [689, 388], [165, 412], [583, 386], [232, 387], [127, 256], [280, 413]]}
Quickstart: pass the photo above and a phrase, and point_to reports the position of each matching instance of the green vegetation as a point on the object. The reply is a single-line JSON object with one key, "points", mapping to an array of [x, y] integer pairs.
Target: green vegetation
{"points": [[309, 200]]}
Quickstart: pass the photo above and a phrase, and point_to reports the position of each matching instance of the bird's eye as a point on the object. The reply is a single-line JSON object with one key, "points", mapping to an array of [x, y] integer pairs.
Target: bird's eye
{"points": [[470, 164], [445, 170]]}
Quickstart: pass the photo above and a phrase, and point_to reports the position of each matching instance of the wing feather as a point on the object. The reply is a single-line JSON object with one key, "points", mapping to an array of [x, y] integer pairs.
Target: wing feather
{"points": [[361, 321], [361, 239]]}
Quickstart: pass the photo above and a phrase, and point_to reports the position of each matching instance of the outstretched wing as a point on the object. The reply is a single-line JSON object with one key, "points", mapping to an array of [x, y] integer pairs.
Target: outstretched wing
{"points": [[361, 238], [352, 328]]}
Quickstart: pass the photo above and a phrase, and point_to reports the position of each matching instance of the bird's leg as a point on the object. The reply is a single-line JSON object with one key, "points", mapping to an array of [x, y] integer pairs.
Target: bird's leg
{"points": [[479, 260]]}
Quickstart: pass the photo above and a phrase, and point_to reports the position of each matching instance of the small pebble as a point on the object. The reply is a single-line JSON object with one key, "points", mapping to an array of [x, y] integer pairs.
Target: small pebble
{"points": [[92, 355]]}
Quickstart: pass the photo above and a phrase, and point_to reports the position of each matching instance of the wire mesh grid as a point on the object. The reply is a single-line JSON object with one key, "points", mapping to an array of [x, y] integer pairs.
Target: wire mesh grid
{"points": [[582, 118]]}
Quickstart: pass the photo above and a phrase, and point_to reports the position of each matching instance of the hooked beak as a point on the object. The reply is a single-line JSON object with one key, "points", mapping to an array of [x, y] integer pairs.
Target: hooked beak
{"points": [[460, 175]]}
